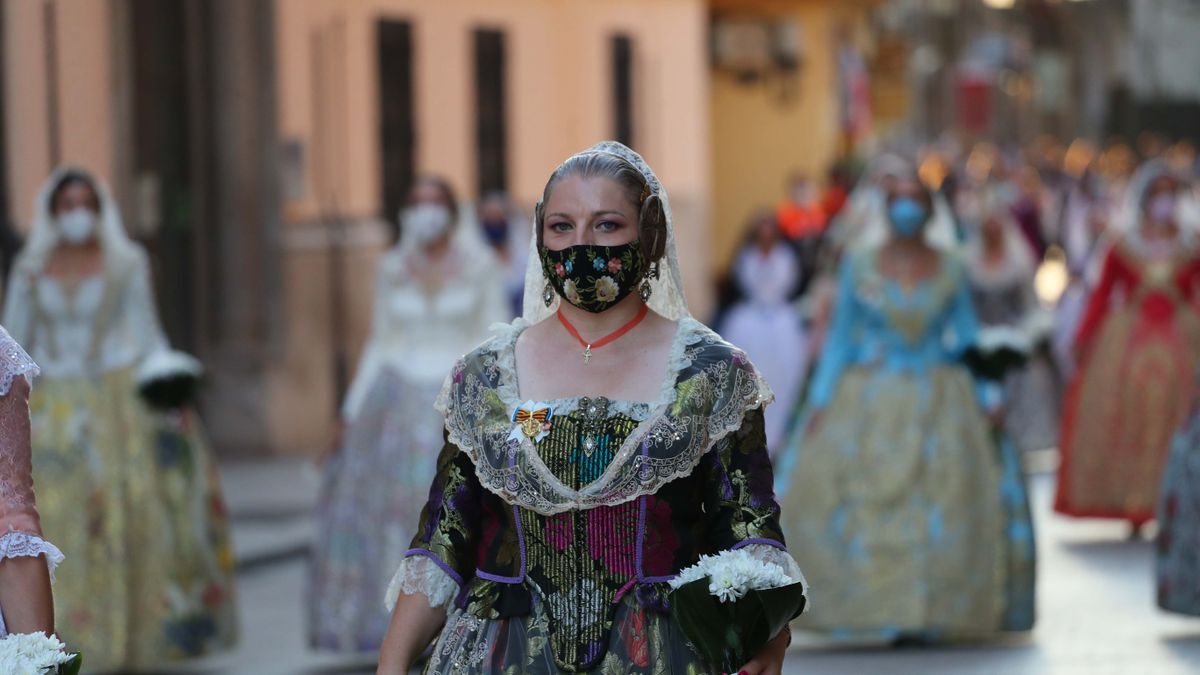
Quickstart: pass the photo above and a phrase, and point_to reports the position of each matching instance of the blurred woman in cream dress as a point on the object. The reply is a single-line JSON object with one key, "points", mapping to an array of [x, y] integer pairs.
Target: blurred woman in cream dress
{"points": [[129, 492]]}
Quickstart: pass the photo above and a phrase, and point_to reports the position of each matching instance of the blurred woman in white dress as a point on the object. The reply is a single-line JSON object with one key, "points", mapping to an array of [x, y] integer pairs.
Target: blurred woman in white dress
{"points": [[766, 324], [436, 293]]}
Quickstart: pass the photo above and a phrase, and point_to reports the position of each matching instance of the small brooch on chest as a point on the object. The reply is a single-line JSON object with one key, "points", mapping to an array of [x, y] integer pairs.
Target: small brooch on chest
{"points": [[595, 411], [532, 420]]}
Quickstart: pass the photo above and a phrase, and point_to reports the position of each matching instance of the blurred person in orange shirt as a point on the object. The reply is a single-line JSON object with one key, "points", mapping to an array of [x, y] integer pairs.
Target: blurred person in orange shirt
{"points": [[801, 215]]}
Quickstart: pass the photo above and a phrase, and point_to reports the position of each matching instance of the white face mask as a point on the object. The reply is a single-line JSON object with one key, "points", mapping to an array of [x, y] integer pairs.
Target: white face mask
{"points": [[77, 225], [424, 222]]}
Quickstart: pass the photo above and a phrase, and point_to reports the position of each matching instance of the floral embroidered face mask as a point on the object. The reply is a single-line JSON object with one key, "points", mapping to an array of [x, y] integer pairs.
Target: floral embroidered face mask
{"points": [[594, 278]]}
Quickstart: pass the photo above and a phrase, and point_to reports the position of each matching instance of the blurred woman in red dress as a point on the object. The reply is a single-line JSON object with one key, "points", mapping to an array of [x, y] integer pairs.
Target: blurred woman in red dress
{"points": [[1138, 347]]}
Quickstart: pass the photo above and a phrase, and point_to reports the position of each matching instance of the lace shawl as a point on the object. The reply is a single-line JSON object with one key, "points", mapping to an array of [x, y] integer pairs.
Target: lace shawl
{"points": [[709, 388]]}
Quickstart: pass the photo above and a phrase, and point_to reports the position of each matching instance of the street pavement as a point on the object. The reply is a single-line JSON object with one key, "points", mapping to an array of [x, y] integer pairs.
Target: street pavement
{"points": [[1095, 601]]}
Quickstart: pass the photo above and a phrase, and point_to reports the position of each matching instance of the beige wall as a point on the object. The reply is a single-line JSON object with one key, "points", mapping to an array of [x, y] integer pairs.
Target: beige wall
{"points": [[759, 142], [85, 119]]}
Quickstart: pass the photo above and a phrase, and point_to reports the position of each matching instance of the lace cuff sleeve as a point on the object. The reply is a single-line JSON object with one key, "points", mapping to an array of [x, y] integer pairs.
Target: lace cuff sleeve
{"points": [[24, 545], [772, 554], [14, 362], [419, 573]]}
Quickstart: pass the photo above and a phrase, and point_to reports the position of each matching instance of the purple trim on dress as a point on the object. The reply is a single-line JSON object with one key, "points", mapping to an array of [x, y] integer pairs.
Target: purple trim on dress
{"points": [[623, 590], [488, 576], [769, 542], [437, 561], [658, 580], [520, 539]]}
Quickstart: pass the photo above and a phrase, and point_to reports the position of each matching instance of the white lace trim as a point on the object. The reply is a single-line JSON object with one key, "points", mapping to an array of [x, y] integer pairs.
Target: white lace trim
{"points": [[688, 332], [14, 362], [24, 545], [515, 472], [778, 556], [419, 575]]}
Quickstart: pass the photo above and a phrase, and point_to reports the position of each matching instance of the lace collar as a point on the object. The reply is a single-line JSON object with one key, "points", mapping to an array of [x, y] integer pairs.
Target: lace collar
{"points": [[709, 387]]}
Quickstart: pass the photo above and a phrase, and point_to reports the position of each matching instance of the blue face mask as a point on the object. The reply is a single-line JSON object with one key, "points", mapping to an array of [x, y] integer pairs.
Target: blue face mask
{"points": [[907, 216]]}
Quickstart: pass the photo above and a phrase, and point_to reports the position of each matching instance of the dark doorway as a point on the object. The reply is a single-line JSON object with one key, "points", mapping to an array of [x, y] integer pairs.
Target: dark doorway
{"points": [[491, 143], [397, 125]]}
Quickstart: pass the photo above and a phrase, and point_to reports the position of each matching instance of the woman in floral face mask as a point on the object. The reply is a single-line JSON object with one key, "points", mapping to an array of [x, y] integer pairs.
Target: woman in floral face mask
{"points": [[1137, 350], [595, 448], [128, 490]]}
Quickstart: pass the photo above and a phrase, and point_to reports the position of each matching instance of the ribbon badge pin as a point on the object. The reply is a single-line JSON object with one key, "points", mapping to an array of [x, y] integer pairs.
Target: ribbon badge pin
{"points": [[532, 420]]}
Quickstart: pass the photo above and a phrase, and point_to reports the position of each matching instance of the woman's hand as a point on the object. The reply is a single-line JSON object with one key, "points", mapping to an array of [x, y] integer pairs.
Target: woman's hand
{"points": [[769, 661]]}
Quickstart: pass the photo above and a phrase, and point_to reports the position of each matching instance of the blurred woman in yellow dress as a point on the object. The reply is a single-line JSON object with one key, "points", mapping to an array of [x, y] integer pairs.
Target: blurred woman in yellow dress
{"points": [[128, 490]]}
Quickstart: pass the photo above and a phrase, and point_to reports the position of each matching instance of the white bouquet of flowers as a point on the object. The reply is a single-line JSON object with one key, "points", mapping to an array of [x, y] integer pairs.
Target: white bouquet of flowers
{"points": [[997, 351], [169, 379], [730, 605], [36, 654]]}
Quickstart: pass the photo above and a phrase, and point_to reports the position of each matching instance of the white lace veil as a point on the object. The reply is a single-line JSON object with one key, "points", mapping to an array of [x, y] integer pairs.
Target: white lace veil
{"points": [[1130, 213], [666, 297], [118, 249], [1019, 256]]}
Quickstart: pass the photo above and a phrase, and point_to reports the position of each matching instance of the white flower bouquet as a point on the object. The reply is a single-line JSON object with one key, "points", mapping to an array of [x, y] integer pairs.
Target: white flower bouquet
{"points": [[169, 379], [732, 604], [998, 350], [37, 654]]}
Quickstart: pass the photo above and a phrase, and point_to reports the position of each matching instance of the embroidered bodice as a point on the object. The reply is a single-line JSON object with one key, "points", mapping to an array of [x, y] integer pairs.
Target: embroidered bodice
{"points": [[878, 323], [1157, 285], [420, 332], [609, 502], [106, 322]]}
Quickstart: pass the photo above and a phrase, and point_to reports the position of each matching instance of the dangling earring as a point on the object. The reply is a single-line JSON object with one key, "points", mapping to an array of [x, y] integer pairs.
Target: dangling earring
{"points": [[548, 295], [645, 289]]}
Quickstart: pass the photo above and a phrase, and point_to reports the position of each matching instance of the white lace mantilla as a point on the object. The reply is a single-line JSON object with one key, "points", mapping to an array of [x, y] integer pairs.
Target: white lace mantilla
{"points": [[708, 389], [419, 574], [25, 545], [14, 362]]}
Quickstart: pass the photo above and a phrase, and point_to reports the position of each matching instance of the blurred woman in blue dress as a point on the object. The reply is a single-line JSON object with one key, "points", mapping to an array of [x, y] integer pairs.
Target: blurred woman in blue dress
{"points": [[914, 524]]}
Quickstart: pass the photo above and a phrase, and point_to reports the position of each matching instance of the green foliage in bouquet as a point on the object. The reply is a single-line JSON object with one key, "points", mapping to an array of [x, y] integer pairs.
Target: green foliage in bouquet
{"points": [[73, 666], [170, 393], [994, 364], [728, 634]]}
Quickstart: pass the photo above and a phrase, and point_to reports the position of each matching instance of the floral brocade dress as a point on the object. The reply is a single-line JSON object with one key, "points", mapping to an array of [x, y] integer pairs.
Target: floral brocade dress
{"points": [[553, 546]]}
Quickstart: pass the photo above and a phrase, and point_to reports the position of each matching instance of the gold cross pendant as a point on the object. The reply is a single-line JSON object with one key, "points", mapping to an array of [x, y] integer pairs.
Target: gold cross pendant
{"points": [[587, 355]]}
